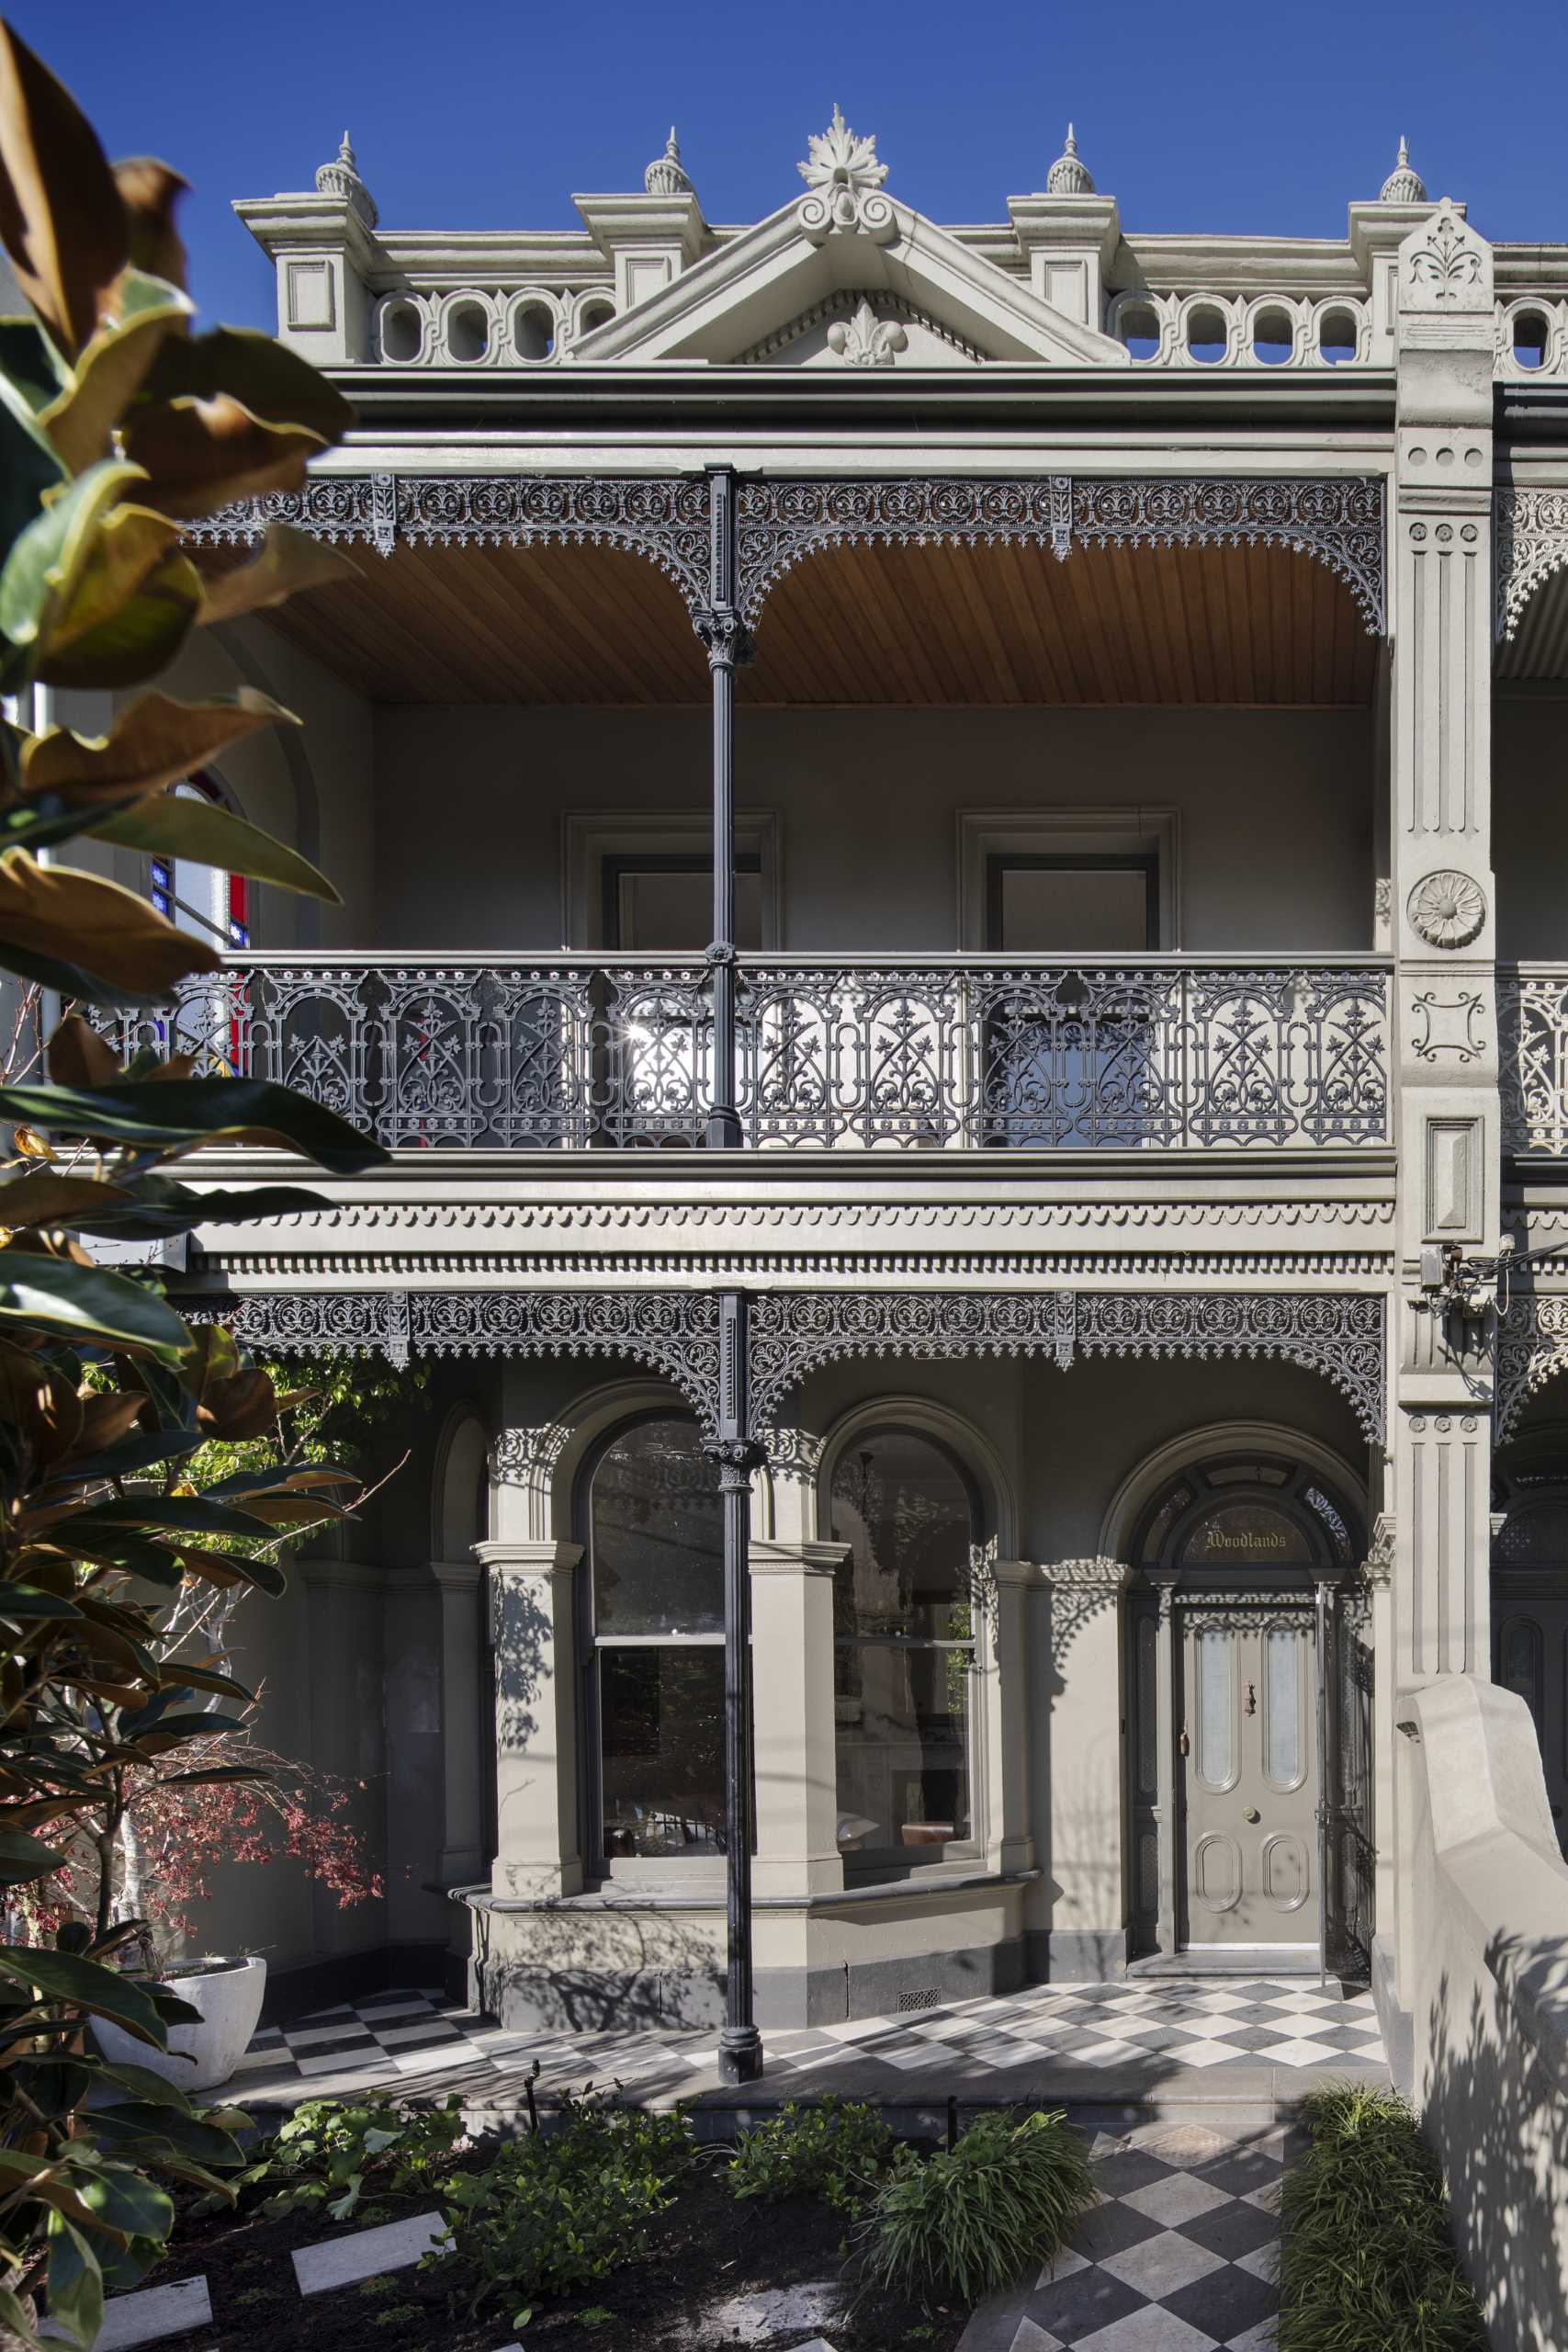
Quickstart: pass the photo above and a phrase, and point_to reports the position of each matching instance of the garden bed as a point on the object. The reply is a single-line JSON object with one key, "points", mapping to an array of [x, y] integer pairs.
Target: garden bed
{"points": [[704, 2250]]}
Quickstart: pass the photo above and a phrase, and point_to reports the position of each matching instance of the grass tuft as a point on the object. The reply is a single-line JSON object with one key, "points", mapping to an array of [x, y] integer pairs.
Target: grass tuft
{"points": [[1366, 2261], [977, 2216]]}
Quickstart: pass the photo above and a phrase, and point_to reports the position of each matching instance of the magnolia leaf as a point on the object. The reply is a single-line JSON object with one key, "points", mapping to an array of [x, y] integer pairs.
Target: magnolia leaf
{"points": [[227, 1568], [199, 455], [177, 1514], [21, 1604], [62, 217], [42, 1197], [23, 1858], [77, 1055], [88, 1304], [76, 2284], [118, 2198], [135, 638], [109, 373], [243, 1406], [258, 374], [186, 1112], [102, 1992], [149, 191], [289, 561], [19, 2321], [163, 1207], [156, 742], [53, 913], [168, 827], [43, 566]]}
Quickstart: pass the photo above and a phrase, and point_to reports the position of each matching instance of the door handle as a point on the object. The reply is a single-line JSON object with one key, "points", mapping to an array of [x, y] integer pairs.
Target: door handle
{"points": [[1184, 1744], [1252, 1698]]}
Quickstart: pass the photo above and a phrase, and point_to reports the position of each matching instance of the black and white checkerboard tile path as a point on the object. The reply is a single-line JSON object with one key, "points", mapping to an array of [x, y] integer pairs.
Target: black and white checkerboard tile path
{"points": [[1109, 2030], [1180, 2256]]}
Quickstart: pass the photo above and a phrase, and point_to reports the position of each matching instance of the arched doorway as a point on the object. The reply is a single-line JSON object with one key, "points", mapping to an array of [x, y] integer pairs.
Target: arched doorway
{"points": [[1238, 1704], [1530, 1598]]}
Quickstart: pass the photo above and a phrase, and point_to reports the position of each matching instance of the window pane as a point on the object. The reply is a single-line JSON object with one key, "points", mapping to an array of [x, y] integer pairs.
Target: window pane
{"points": [[1283, 1762], [657, 1534], [1215, 1749], [904, 1509], [1075, 910], [903, 1744], [662, 1717]]}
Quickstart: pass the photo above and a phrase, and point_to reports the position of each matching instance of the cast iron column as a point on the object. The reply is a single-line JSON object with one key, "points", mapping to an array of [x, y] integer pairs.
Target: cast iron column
{"points": [[723, 632]]}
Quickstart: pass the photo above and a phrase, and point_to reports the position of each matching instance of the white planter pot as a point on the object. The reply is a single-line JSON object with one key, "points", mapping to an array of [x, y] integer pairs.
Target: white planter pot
{"points": [[229, 1994]]}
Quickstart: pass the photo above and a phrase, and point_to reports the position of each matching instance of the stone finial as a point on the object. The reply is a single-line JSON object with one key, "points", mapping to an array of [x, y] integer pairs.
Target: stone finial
{"points": [[844, 180], [1403, 185], [1069, 174], [667, 175], [341, 178]]}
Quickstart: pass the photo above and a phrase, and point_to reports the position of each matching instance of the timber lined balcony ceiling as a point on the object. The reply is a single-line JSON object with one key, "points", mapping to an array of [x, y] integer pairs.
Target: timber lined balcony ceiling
{"points": [[922, 626]]}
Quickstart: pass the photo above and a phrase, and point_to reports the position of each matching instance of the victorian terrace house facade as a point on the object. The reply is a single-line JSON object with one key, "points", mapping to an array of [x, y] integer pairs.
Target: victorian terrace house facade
{"points": [[951, 844]]}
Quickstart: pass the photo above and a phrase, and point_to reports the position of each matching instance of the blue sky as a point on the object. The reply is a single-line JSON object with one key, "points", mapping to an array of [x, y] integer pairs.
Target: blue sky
{"points": [[1215, 114]]}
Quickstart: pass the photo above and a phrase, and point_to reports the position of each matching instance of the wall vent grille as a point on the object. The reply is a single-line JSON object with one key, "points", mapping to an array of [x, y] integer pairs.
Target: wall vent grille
{"points": [[924, 1997]]}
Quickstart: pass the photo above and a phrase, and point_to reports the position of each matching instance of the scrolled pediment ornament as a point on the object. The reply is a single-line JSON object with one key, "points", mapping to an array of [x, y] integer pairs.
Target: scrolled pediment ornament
{"points": [[1447, 909], [845, 182]]}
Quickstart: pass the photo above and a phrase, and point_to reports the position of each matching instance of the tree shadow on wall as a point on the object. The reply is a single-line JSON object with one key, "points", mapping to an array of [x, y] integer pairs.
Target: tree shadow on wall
{"points": [[1496, 2114], [599, 1969]]}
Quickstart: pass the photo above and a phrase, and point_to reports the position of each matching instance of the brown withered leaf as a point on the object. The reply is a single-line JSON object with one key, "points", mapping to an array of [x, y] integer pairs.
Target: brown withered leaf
{"points": [[243, 1406], [62, 217], [43, 1197], [58, 913], [202, 454], [156, 742], [149, 191], [289, 562], [106, 1418], [79, 1056]]}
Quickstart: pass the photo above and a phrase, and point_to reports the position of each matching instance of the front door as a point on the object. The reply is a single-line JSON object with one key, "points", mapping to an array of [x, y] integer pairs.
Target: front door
{"points": [[1248, 1770]]}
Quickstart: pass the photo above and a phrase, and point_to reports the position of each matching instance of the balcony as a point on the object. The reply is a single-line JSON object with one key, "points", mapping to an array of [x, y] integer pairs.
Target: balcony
{"points": [[575, 1052]]}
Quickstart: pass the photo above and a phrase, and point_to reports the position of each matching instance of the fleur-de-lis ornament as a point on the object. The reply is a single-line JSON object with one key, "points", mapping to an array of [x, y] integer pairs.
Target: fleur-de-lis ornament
{"points": [[1445, 263]]}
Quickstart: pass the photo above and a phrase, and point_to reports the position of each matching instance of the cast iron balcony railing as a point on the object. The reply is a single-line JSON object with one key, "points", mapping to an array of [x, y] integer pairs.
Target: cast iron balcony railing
{"points": [[922, 1052], [1532, 1019]]}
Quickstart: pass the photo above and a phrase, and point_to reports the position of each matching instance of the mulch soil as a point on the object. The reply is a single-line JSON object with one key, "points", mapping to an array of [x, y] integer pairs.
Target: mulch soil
{"points": [[704, 2249]]}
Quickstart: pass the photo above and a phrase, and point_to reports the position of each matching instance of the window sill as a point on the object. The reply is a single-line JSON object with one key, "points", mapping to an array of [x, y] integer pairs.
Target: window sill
{"points": [[929, 1887]]}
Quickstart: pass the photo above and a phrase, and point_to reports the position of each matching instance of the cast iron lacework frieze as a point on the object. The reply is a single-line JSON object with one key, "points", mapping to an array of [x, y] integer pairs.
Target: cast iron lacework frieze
{"points": [[667, 519], [1532, 543], [795, 1332], [1532, 1347], [1339, 523]]}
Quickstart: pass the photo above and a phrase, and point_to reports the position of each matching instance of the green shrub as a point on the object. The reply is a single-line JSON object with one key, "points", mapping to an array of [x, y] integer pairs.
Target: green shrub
{"points": [[327, 2150], [1366, 2261], [559, 2210], [835, 2149], [976, 2217]]}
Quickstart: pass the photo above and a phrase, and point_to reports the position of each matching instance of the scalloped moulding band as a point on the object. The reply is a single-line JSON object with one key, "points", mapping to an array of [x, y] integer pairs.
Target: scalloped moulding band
{"points": [[229, 1994]]}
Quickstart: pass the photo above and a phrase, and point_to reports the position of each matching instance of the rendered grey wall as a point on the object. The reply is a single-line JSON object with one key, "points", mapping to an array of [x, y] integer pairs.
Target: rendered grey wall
{"points": [[1276, 807]]}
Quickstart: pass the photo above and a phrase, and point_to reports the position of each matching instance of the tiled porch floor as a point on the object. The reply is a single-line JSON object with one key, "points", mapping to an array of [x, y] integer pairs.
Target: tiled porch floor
{"points": [[1180, 2256], [1219, 2040]]}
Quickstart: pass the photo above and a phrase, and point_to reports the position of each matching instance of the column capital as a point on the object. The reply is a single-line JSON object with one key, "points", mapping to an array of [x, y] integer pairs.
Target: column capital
{"points": [[771, 1559], [1100, 1574], [531, 1559]]}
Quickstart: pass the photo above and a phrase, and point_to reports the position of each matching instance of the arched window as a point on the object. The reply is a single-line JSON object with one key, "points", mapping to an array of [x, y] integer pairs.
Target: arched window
{"points": [[202, 898], [1251, 1511], [904, 1643], [655, 1642]]}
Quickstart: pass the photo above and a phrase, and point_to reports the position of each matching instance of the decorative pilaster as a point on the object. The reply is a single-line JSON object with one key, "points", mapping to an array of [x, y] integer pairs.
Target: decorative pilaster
{"points": [[793, 1726], [1086, 1760], [1444, 937], [1003, 1714], [736, 1455], [533, 1630]]}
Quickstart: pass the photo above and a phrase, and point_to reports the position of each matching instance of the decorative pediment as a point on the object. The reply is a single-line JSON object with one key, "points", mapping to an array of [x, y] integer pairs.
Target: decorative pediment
{"points": [[775, 284], [856, 329]]}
